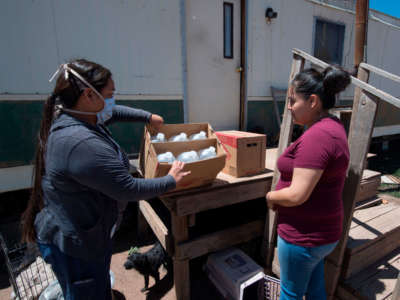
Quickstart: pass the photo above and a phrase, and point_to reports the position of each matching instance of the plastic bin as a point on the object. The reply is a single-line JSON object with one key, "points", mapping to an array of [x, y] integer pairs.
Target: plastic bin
{"points": [[269, 288], [28, 273]]}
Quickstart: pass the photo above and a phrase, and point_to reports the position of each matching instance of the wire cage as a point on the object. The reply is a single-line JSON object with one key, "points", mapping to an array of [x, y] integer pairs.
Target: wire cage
{"points": [[269, 288], [28, 273]]}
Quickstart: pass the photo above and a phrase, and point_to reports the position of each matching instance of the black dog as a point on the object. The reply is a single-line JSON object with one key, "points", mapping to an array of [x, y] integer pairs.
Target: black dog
{"points": [[147, 263]]}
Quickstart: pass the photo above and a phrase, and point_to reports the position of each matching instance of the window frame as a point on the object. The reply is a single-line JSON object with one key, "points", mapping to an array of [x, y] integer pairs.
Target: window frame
{"points": [[322, 19], [228, 4]]}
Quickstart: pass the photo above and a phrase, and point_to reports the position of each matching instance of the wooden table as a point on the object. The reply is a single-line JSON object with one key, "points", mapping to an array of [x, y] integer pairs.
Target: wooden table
{"points": [[183, 207]]}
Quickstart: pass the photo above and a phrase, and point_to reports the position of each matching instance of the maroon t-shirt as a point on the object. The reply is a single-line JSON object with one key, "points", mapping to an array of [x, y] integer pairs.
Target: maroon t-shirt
{"points": [[317, 221]]}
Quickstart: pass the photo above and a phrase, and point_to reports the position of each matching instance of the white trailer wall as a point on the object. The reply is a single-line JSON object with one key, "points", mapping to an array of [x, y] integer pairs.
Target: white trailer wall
{"points": [[270, 45], [138, 40], [383, 51]]}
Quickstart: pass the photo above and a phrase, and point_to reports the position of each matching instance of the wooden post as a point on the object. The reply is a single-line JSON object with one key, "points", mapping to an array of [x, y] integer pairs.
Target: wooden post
{"points": [[360, 31], [285, 137], [361, 126], [181, 266]]}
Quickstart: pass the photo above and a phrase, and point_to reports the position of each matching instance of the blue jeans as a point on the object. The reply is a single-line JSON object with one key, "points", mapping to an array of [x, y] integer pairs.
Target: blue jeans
{"points": [[302, 270], [79, 279]]}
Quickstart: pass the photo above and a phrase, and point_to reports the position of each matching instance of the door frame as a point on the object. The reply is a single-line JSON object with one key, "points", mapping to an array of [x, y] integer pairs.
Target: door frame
{"points": [[243, 65], [243, 62]]}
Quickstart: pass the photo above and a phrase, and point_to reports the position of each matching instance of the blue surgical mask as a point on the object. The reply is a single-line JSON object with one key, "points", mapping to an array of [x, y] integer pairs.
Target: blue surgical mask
{"points": [[102, 116], [106, 113]]}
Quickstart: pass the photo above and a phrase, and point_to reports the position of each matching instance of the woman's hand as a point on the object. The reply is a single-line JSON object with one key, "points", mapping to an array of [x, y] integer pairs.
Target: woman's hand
{"points": [[156, 121], [269, 202], [177, 172]]}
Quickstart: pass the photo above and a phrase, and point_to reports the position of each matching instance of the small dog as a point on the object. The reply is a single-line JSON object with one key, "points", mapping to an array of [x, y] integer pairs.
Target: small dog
{"points": [[147, 263]]}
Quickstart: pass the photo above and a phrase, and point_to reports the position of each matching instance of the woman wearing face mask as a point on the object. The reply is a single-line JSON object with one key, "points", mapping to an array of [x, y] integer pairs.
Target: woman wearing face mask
{"points": [[308, 196], [82, 180]]}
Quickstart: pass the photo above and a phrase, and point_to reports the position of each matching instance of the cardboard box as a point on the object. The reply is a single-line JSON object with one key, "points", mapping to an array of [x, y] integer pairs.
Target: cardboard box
{"points": [[202, 172], [170, 130], [245, 152]]}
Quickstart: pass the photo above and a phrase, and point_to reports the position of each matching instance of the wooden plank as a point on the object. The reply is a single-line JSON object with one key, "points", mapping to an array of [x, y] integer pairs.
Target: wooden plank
{"points": [[369, 185], [365, 215], [331, 271], [223, 181], [373, 252], [345, 292], [219, 240], [372, 202], [381, 285], [362, 120], [371, 271], [194, 203], [396, 290], [158, 227], [374, 229], [285, 136], [358, 83], [380, 72], [181, 267]]}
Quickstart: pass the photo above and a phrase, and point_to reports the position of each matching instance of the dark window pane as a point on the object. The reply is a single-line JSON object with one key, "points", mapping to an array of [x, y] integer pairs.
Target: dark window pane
{"points": [[328, 45], [228, 30]]}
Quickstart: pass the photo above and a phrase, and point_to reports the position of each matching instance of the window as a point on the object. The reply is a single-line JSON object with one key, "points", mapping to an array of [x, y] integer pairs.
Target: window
{"points": [[328, 41], [228, 30]]}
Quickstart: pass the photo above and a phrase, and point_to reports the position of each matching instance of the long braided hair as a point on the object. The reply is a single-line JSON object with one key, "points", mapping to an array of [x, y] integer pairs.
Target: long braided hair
{"points": [[67, 91]]}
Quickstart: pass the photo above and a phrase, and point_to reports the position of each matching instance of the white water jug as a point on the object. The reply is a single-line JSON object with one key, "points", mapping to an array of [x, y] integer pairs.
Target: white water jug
{"points": [[167, 157], [182, 137], [188, 157], [207, 153], [198, 136], [160, 137]]}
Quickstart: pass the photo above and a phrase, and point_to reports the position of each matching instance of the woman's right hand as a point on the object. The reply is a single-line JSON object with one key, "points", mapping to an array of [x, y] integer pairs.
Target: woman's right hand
{"points": [[177, 172]]}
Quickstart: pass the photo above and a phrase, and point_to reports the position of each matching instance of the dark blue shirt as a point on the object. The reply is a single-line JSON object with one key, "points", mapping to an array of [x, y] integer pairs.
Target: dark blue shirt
{"points": [[87, 184]]}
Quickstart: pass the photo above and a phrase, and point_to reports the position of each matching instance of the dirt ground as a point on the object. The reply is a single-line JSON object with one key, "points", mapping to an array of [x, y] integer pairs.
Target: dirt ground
{"points": [[128, 283]]}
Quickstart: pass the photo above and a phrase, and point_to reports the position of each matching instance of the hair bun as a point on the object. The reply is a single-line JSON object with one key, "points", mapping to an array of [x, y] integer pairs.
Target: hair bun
{"points": [[335, 80]]}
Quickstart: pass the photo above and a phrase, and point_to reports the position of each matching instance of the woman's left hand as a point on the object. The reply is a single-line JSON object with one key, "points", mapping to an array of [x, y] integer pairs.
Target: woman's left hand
{"points": [[156, 121], [269, 203]]}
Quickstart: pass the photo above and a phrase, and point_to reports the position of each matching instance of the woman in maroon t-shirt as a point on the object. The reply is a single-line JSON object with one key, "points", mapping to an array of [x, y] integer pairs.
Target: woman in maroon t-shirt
{"points": [[308, 196]]}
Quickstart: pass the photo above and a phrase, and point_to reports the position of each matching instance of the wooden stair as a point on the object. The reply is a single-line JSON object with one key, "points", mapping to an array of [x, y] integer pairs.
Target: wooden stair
{"points": [[374, 282], [374, 232], [372, 257]]}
